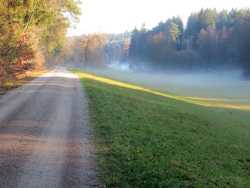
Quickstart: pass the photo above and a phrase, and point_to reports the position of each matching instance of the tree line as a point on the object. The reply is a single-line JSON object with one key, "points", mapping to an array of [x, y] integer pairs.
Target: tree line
{"points": [[32, 31], [211, 39], [96, 50], [85, 50]]}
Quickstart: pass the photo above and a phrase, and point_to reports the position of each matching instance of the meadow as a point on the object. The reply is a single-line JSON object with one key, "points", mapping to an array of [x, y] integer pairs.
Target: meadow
{"points": [[150, 138]]}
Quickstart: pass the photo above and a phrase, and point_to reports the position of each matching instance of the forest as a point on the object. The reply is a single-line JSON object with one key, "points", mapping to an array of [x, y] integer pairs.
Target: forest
{"points": [[32, 32], [211, 40]]}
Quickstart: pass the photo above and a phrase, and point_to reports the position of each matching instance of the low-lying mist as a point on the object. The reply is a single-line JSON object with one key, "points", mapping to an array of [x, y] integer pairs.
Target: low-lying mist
{"points": [[226, 85]]}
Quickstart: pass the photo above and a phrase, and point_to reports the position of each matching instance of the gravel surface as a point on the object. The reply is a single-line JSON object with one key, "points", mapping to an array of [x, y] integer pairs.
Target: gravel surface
{"points": [[45, 140]]}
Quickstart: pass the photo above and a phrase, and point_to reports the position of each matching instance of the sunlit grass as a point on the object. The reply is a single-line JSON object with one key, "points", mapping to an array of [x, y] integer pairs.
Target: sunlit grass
{"points": [[145, 138], [209, 102]]}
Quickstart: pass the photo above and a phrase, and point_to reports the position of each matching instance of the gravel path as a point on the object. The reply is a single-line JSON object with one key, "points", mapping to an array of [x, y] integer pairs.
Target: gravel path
{"points": [[45, 141]]}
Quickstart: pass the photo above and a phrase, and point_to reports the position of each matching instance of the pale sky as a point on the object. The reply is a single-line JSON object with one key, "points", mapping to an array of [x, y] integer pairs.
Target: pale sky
{"points": [[117, 16]]}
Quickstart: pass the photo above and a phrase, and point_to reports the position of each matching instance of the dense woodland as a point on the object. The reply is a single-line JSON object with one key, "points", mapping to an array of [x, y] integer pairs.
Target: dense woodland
{"points": [[32, 32], [211, 39]]}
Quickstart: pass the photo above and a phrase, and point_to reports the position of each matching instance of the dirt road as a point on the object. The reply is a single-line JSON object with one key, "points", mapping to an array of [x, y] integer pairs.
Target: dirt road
{"points": [[45, 141]]}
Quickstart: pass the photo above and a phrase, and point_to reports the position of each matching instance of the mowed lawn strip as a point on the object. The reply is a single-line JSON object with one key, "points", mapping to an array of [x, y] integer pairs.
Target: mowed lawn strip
{"points": [[145, 140]]}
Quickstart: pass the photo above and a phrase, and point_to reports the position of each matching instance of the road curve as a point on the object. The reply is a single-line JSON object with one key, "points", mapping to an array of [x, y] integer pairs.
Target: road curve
{"points": [[45, 141]]}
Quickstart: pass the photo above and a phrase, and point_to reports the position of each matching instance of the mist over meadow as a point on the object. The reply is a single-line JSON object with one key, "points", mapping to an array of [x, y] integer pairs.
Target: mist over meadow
{"points": [[208, 57]]}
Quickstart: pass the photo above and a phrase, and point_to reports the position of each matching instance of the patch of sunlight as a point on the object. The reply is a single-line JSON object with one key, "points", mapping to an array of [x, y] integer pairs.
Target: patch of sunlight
{"points": [[208, 102], [60, 75]]}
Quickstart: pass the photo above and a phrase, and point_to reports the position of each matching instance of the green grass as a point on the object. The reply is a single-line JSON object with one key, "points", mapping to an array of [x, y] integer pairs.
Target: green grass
{"points": [[144, 140]]}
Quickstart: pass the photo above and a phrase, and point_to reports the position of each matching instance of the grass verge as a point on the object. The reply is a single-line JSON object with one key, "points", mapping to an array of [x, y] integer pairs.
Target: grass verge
{"points": [[21, 80], [145, 140]]}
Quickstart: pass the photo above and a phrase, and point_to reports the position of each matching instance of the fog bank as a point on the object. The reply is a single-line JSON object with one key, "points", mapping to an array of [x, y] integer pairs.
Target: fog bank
{"points": [[226, 85]]}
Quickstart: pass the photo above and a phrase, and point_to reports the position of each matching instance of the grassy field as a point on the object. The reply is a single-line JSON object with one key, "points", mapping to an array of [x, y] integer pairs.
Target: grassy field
{"points": [[224, 87], [145, 138]]}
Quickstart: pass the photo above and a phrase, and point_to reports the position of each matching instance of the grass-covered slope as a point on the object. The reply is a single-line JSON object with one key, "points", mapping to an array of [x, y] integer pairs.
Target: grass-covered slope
{"points": [[145, 140]]}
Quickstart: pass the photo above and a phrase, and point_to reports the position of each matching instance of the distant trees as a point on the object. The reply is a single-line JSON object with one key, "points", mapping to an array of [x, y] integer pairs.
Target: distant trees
{"points": [[205, 18], [210, 39], [117, 47], [241, 36], [97, 50], [87, 50], [30, 28], [159, 44], [94, 49]]}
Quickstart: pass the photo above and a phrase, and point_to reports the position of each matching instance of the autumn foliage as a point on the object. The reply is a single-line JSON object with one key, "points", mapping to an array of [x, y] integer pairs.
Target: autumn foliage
{"points": [[30, 32]]}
